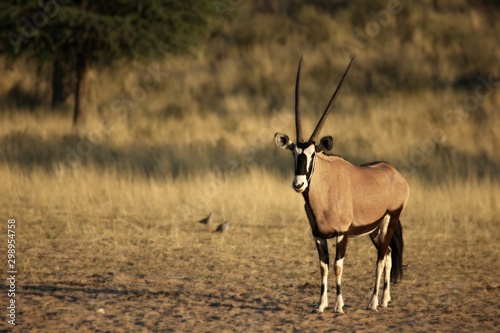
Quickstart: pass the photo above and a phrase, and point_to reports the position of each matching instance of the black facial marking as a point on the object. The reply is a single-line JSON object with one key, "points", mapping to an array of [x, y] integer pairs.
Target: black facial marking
{"points": [[301, 164], [301, 160]]}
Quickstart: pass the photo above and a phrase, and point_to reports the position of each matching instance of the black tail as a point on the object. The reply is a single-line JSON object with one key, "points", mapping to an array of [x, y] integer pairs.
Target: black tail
{"points": [[397, 246]]}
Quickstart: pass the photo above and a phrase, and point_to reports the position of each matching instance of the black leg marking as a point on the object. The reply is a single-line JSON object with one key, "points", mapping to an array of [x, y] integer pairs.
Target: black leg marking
{"points": [[324, 262], [340, 248]]}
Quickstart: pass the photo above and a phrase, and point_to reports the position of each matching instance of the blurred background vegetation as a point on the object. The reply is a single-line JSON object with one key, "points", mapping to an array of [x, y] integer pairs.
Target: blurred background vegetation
{"points": [[225, 80]]}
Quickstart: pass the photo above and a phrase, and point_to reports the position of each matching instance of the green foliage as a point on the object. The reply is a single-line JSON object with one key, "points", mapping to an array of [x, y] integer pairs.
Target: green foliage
{"points": [[104, 31]]}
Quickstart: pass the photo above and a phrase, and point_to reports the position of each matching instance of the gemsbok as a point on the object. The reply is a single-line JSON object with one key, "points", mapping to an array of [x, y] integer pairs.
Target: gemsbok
{"points": [[343, 200]]}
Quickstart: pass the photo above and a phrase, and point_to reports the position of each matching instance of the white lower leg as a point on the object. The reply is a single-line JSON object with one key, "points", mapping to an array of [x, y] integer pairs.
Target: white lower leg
{"points": [[378, 276], [339, 304], [387, 281], [323, 300]]}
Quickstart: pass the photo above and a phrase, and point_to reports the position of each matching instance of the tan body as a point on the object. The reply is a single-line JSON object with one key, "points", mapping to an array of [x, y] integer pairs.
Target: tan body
{"points": [[345, 199]]}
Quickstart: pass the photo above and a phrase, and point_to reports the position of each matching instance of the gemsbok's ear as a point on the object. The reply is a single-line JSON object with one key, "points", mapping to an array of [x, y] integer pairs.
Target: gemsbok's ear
{"points": [[282, 141], [325, 144]]}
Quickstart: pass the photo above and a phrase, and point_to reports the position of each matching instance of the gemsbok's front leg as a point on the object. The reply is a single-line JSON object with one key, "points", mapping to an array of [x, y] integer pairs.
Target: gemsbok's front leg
{"points": [[340, 248], [324, 262]]}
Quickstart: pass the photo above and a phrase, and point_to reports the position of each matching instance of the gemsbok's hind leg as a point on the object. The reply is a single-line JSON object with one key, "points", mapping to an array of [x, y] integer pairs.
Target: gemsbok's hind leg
{"points": [[340, 248], [387, 279], [373, 305], [324, 262], [379, 240]]}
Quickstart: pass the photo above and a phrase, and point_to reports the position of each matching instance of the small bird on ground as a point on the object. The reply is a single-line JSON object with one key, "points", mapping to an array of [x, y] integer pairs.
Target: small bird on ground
{"points": [[223, 227], [207, 219]]}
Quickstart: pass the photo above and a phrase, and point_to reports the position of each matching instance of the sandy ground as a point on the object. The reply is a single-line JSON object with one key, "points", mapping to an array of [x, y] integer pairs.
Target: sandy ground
{"points": [[449, 286], [172, 307]]}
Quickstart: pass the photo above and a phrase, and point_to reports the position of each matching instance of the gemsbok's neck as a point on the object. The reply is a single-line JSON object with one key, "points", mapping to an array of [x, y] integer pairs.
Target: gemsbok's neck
{"points": [[329, 192]]}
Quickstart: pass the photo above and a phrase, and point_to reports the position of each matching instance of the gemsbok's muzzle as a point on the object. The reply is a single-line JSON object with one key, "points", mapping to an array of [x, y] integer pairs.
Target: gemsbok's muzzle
{"points": [[299, 183]]}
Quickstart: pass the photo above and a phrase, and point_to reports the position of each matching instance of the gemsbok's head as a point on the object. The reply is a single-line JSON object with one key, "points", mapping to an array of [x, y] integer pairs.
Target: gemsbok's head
{"points": [[304, 152]]}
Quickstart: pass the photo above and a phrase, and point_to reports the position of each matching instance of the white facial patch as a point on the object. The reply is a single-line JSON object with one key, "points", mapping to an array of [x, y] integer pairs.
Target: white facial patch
{"points": [[309, 151]]}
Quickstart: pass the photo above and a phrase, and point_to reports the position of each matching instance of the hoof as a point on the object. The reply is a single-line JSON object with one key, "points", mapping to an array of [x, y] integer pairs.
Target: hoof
{"points": [[372, 307], [319, 309], [339, 306], [373, 304], [339, 310]]}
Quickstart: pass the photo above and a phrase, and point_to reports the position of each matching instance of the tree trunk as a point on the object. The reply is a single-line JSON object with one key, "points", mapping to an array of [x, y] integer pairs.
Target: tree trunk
{"points": [[59, 93], [82, 84]]}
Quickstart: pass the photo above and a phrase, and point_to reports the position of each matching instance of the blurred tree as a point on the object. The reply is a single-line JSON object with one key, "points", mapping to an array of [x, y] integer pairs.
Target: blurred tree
{"points": [[61, 83], [89, 34]]}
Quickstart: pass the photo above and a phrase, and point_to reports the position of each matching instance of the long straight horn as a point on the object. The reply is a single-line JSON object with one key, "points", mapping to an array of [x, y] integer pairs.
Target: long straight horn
{"points": [[323, 117], [298, 124]]}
